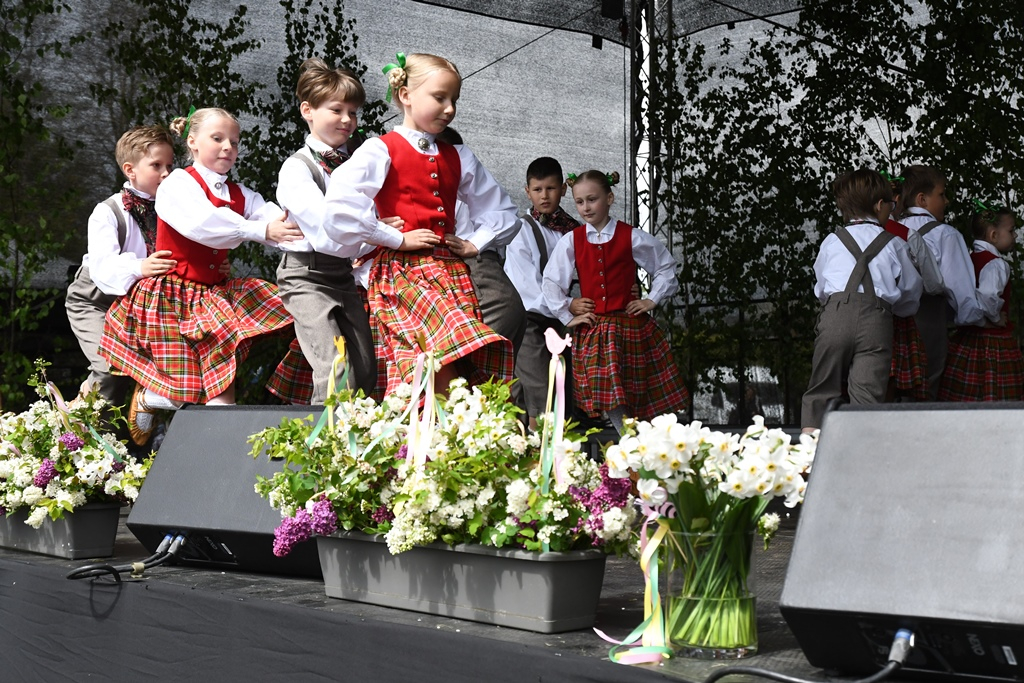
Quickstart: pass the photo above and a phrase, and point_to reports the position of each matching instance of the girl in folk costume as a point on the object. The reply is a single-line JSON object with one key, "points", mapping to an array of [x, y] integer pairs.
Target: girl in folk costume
{"points": [[985, 362], [622, 364], [419, 285], [181, 335], [908, 374]]}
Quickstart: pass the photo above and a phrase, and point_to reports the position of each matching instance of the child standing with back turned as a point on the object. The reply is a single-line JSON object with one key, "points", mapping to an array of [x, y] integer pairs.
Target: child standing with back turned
{"points": [[419, 286], [985, 362], [864, 276], [317, 286], [180, 335], [621, 361], [122, 249]]}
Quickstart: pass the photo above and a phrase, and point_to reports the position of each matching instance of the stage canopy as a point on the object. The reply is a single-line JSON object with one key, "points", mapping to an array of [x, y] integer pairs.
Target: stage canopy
{"points": [[588, 16]]}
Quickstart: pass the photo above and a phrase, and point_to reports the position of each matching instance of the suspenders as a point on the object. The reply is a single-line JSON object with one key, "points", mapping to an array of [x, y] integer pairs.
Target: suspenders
{"points": [[122, 226], [314, 170], [861, 275], [541, 244]]}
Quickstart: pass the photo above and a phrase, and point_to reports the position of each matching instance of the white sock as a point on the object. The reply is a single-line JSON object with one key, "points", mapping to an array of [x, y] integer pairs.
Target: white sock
{"points": [[158, 402], [144, 421]]}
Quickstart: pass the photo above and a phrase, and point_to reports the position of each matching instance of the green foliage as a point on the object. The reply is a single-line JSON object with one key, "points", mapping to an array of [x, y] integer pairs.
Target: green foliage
{"points": [[755, 135], [32, 204]]}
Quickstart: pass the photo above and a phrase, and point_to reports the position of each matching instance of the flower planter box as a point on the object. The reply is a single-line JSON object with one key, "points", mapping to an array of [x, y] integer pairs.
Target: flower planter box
{"points": [[543, 592], [89, 531]]}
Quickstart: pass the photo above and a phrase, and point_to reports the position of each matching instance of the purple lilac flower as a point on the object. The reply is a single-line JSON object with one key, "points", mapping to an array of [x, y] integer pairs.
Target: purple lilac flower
{"points": [[402, 452], [323, 521], [580, 494], [293, 530], [382, 514], [118, 466], [46, 473], [71, 441]]}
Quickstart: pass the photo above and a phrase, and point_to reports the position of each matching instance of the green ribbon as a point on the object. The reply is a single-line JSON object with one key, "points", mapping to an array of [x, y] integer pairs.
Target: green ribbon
{"points": [[891, 178], [400, 56], [980, 205], [611, 178], [188, 121]]}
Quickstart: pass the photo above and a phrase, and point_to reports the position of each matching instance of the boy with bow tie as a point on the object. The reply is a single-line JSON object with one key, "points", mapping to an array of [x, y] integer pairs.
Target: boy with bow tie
{"points": [[121, 249], [317, 286]]}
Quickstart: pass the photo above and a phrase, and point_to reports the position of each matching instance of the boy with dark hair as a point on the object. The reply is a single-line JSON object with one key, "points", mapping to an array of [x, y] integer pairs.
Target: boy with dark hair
{"points": [[924, 196], [525, 260], [863, 277]]}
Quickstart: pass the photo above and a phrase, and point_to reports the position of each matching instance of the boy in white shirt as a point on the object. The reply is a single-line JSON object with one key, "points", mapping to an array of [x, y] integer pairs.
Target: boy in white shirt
{"points": [[121, 249]]}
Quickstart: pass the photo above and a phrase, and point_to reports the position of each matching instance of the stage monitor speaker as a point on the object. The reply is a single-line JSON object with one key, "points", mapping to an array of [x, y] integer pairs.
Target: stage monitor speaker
{"points": [[201, 485], [913, 518]]}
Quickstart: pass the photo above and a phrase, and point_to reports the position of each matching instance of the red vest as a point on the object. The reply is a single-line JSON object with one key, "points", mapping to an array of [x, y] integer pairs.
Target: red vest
{"points": [[421, 188], [897, 228], [980, 259], [606, 271], [196, 261]]}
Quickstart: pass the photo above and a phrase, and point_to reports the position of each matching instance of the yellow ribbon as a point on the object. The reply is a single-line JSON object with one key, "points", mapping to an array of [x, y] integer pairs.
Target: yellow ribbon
{"points": [[339, 344]]}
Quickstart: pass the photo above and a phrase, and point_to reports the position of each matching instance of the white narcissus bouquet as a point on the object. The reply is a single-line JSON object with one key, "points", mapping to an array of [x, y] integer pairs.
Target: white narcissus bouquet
{"points": [[710, 490], [56, 457]]}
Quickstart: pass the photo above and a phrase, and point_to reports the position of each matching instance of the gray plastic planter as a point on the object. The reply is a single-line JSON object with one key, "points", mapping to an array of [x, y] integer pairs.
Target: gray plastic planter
{"points": [[89, 531], [543, 592]]}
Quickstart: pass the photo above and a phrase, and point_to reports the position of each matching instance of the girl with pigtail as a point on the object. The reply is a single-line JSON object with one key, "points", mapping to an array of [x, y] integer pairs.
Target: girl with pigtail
{"points": [[419, 285], [622, 364], [181, 335]]}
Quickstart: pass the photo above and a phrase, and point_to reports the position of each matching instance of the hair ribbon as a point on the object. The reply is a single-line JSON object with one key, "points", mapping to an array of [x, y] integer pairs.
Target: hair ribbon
{"points": [[188, 121], [400, 58]]}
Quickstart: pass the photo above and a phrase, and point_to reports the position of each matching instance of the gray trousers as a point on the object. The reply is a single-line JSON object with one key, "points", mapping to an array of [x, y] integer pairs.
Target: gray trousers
{"points": [[87, 309], [931, 322], [500, 303], [320, 293], [532, 365], [852, 344]]}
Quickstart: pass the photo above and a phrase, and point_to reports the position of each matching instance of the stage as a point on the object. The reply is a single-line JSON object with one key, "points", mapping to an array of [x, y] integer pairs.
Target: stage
{"points": [[187, 624]]}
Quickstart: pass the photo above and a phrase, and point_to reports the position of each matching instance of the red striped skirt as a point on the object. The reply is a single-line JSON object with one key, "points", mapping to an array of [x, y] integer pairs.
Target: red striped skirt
{"points": [[431, 294], [982, 366], [184, 339], [292, 381], [626, 361], [382, 364], [909, 370]]}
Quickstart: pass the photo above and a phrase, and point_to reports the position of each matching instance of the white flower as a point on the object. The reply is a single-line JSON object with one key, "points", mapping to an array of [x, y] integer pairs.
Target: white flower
{"points": [[31, 495], [36, 518], [517, 443], [770, 522], [651, 491]]}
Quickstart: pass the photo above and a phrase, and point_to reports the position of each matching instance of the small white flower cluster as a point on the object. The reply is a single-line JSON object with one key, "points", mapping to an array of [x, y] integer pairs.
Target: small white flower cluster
{"points": [[51, 461], [667, 454]]}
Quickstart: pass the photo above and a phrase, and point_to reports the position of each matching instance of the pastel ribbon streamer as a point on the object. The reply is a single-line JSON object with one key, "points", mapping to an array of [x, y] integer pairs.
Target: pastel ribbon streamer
{"points": [[653, 647], [62, 410]]}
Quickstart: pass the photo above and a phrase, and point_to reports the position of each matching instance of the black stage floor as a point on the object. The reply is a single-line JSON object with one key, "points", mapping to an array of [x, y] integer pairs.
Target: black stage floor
{"points": [[182, 623]]}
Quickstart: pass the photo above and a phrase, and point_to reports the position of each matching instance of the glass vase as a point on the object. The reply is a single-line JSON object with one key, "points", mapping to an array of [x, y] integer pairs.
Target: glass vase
{"points": [[708, 608]]}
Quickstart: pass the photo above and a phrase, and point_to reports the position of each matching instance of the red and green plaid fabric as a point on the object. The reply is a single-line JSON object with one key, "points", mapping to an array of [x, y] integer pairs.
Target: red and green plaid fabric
{"points": [[626, 361], [292, 381], [183, 339], [982, 365], [431, 293], [909, 371]]}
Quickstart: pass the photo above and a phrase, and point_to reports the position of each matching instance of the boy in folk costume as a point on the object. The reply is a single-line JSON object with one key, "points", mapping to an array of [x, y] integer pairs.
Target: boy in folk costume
{"points": [[121, 249], [924, 196], [500, 303], [985, 362], [525, 260], [317, 286], [864, 276]]}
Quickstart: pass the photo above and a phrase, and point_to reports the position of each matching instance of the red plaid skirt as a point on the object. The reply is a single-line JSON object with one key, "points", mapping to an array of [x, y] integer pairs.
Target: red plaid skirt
{"points": [[293, 380], [982, 366], [625, 360], [431, 294], [183, 339], [909, 370]]}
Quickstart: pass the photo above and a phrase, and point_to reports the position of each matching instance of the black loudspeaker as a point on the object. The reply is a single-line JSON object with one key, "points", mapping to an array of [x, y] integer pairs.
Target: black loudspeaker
{"points": [[914, 518], [201, 485]]}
